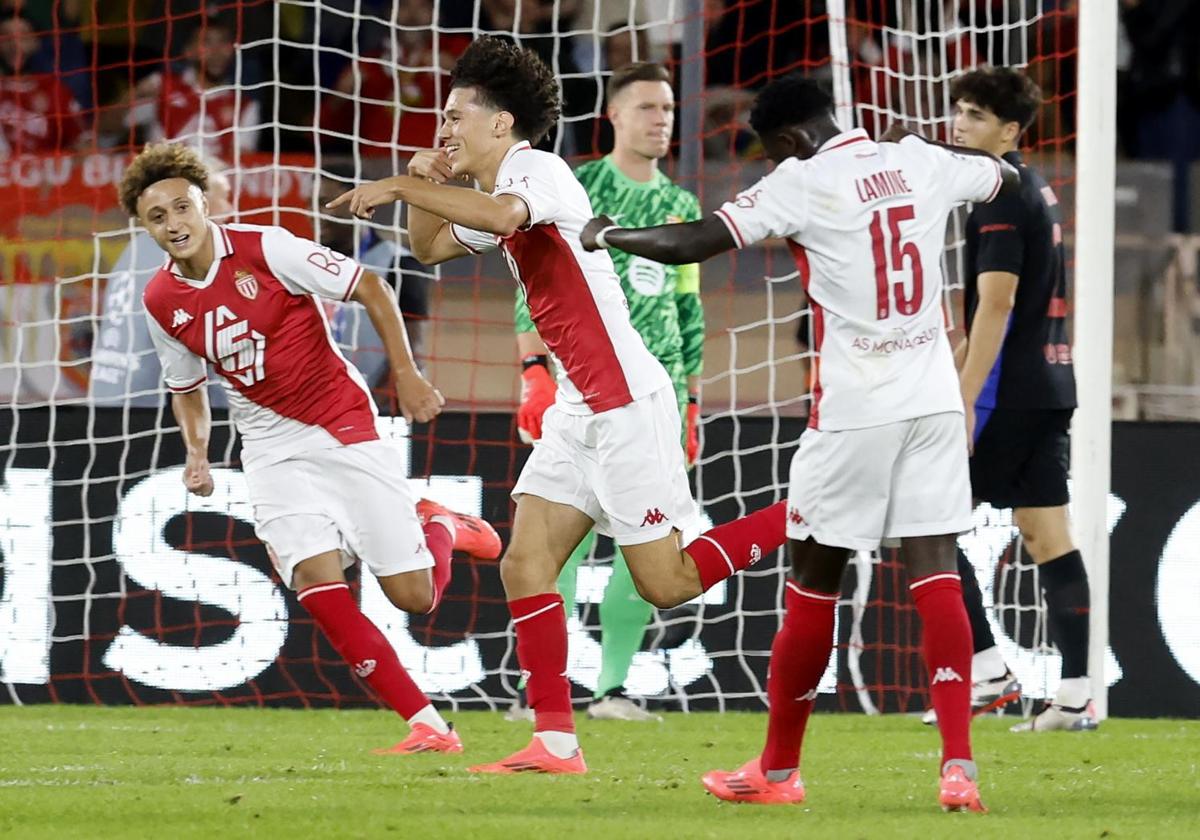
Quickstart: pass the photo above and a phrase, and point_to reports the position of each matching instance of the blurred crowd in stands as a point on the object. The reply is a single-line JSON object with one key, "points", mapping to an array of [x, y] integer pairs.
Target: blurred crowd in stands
{"points": [[367, 76]]}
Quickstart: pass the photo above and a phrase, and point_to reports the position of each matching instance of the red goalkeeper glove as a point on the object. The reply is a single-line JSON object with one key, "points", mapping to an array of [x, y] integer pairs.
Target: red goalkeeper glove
{"points": [[693, 429], [537, 395]]}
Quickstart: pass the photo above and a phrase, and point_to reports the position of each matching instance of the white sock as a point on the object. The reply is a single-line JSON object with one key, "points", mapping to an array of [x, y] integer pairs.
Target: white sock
{"points": [[431, 718], [558, 744], [988, 665], [1074, 692]]}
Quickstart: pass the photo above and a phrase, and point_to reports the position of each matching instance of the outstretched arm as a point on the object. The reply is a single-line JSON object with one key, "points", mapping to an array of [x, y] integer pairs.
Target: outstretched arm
{"points": [[501, 214], [1010, 178], [672, 244]]}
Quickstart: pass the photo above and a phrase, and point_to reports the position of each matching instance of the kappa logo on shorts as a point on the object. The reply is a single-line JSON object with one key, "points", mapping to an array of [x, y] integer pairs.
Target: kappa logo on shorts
{"points": [[365, 668], [946, 675], [653, 517], [794, 516]]}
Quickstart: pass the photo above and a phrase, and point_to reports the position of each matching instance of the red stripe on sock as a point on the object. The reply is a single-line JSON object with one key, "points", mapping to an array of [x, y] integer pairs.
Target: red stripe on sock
{"points": [[541, 626], [364, 648], [947, 648], [734, 546], [441, 545], [799, 657]]}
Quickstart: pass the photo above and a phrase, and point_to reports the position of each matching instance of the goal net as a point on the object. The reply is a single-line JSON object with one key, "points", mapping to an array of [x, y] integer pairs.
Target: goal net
{"points": [[119, 587]]}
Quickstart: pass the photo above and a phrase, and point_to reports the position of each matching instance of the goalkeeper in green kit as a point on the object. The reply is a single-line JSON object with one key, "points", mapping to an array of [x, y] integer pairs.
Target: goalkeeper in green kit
{"points": [[664, 306]]}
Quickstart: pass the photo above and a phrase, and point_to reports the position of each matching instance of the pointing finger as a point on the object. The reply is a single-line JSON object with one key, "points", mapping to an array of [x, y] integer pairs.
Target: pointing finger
{"points": [[341, 199]]}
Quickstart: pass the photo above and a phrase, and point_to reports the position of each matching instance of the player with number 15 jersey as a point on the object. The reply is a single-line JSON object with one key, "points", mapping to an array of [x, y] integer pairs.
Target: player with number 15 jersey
{"points": [[885, 454], [866, 223]]}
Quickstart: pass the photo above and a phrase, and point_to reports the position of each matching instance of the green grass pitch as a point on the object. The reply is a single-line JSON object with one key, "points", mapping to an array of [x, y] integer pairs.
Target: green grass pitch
{"points": [[215, 773]]}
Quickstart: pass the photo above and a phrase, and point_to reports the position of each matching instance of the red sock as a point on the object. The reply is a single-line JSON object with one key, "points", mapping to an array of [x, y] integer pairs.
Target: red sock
{"points": [[441, 545], [734, 546], [362, 646], [947, 647], [541, 625], [799, 657]]}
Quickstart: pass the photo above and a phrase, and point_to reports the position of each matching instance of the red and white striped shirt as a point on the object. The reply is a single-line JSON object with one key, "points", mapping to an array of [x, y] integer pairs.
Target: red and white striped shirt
{"points": [[257, 319], [574, 296]]}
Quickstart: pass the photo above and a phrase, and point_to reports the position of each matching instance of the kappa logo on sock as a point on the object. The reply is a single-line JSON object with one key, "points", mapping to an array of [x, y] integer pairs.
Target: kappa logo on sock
{"points": [[653, 517], [811, 694], [945, 675], [365, 668], [525, 675], [755, 553], [794, 516]]}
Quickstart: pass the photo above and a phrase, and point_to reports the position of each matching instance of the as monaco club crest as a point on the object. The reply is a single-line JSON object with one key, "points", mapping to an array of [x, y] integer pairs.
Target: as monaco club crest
{"points": [[246, 284]]}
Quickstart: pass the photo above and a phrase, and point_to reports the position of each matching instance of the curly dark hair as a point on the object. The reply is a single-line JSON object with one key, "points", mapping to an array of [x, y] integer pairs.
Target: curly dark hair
{"points": [[1006, 92], [508, 78], [158, 162], [789, 100]]}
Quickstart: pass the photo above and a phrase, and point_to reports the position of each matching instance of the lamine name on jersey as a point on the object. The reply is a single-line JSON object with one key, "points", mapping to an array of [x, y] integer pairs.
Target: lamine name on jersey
{"points": [[574, 296], [866, 224], [257, 319]]}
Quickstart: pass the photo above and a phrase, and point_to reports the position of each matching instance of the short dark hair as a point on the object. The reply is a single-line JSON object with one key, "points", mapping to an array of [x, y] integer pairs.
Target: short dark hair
{"points": [[789, 100], [638, 71], [1006, 92], [511, 79], [158, 162]]}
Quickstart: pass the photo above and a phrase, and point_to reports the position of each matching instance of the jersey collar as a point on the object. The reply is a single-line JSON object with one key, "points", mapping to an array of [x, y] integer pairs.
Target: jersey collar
{"points": [[222, 248], [855, 135], [627, 182], [519, 146]]}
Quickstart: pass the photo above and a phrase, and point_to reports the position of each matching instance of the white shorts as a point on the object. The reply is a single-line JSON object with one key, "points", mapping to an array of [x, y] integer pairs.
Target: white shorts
{"points": [[858, 488], [623, 467], [350, 498]]}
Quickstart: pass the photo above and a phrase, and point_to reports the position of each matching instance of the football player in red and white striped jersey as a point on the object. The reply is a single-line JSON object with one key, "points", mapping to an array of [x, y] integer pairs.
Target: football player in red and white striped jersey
{"points": [[609, 455], [325, 488]]}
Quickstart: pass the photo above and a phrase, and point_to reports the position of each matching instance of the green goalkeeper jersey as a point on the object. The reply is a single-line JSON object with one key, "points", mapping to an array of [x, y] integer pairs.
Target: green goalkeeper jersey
{"points": [[664, 300]]}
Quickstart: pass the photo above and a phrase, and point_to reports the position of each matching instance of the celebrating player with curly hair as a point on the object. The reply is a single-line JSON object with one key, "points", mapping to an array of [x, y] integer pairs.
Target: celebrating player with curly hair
{"points": [[325, 488], [609, 456]]}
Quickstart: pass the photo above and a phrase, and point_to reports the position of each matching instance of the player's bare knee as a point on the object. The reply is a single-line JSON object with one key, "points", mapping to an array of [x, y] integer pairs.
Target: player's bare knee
{"points": [[662, 593], [522, 574], [411, 592], [418, 600], [511, 569], [416, 604]]}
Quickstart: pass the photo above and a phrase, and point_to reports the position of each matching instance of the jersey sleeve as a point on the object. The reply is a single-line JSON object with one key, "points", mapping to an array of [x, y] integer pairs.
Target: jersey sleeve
{"points": [[475, 241], [528, 176], [306, 268], [1001, 245], [522, 322], [964, 177], [776, 206], [183, 370]]}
